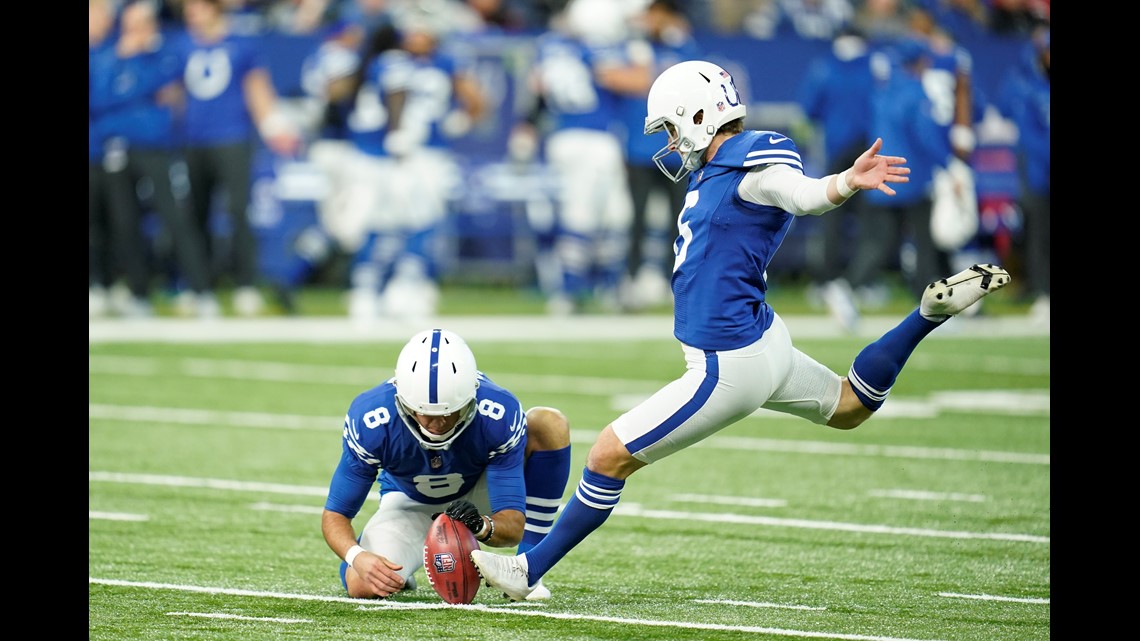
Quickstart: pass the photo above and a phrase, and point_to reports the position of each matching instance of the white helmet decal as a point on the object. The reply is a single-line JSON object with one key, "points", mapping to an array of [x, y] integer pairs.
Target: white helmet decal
{"points": [[678, 95]]}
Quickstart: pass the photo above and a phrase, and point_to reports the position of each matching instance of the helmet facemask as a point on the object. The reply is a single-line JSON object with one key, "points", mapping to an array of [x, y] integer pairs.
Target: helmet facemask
{"points": [[430, 441], [691, 157]]}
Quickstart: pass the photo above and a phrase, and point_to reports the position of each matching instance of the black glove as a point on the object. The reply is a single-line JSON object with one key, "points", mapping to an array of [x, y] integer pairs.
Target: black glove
{"points": [[466, 513]]}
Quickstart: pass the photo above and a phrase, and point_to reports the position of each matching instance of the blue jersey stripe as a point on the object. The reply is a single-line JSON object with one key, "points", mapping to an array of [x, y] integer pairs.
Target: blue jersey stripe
{"points": [[686, 411], [433, 368]]}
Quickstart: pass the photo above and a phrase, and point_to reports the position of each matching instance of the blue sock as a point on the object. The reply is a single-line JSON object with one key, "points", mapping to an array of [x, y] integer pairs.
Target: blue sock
{"points": [[585, 512], [876, 367], [545, 475]]}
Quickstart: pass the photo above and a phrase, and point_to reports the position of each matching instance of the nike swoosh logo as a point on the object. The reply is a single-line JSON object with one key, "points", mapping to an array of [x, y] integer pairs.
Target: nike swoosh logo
{"points": [[773, 139]]}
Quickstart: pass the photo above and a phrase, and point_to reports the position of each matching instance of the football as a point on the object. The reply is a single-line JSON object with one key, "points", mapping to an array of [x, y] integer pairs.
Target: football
{"points": [[447, 560]]}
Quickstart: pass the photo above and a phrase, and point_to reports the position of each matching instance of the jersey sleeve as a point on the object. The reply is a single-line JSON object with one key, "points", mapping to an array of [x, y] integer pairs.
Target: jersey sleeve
{"points": [[782, 186], [771, 148], [354, 474], [361, 456], [505, 485]]}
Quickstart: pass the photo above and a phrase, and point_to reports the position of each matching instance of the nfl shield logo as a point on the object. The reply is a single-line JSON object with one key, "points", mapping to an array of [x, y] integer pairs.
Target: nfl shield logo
{"points": [[444, 562]]}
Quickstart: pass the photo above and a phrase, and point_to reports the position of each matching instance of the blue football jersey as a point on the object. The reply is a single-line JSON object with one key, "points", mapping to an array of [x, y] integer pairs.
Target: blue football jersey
{"points": [[213, 73], [914, 126], [378, 443], [570, 91], [427, 82], [368, 119], [123, 91], [725, 245]]}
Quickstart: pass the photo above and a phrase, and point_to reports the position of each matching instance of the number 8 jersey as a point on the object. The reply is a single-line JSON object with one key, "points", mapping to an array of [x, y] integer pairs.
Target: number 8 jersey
{"points": [[378, 443]]}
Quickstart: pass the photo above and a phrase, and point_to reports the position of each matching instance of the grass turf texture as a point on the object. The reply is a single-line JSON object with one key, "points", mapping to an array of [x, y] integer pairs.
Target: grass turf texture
{"points": [[208, 465]]}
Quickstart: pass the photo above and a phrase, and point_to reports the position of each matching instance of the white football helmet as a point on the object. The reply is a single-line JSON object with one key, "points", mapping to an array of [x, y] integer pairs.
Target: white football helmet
{"points": [[597, 22], [690, 100], [435, 376]]}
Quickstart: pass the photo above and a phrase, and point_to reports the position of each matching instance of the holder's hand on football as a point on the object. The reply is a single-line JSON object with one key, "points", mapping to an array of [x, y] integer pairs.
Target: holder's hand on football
{"points": [[466, 513]]}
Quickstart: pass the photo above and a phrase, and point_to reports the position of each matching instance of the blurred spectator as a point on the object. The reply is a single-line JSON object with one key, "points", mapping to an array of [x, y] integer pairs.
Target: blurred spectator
{"points": [[297, 17], [582, 64], [950, 72], [230, 100], [949, 83], [429, 97], [1018, 17], [100, 253], [368, 174], [961, 19], [917, 129], [369, 15], [330, 78], [1024, 99], [135, 92], [881, 21], [498, 15], [649, 261], [114, 93], [722, 16], [835, 95], [815, 19]]}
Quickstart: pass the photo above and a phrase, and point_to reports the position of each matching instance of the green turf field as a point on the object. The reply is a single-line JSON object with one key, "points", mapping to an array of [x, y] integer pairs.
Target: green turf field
{"points": [[209, 462]]}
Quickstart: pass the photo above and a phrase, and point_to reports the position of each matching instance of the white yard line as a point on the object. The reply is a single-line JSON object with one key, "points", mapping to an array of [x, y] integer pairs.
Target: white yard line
{"points": [[628, 509], [389, 604], [335, 329], [265, 420]]}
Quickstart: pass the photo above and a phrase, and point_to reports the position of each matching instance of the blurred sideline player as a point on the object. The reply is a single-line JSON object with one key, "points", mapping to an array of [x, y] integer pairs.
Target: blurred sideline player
{"points": [[581, 66], [330, 79], [101, 272], [835, 96], [949, 81], [668, 39], [745, 189], [231, 100], [440, 433], [135, 92], [1023, 97], [425, 96]]}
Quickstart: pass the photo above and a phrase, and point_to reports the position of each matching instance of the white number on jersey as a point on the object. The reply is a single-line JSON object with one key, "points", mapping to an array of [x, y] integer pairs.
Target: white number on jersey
{"points": [[368, 112], [568, 85], [208, 73], [939, 87], [377, 417], [438, 486], [683, 228]]}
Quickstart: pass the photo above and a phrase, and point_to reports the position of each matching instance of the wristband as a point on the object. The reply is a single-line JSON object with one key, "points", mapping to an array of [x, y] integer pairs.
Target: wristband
{"points": [[490, 530], [274, 124], [962, 138], [353, 552], [841, 185]]}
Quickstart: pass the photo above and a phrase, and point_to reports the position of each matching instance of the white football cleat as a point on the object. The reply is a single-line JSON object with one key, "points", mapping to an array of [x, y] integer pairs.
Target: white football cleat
{"points": [[948, 296], [540, 593], [503, 572]]}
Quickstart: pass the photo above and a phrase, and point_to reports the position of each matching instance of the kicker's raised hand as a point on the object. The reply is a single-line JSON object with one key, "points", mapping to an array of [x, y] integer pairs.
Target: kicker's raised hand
{"points": [[872, 171]]}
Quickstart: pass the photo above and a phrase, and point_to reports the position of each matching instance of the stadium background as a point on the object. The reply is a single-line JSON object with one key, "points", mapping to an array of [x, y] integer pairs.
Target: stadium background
{"points": [[489, 237]]}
